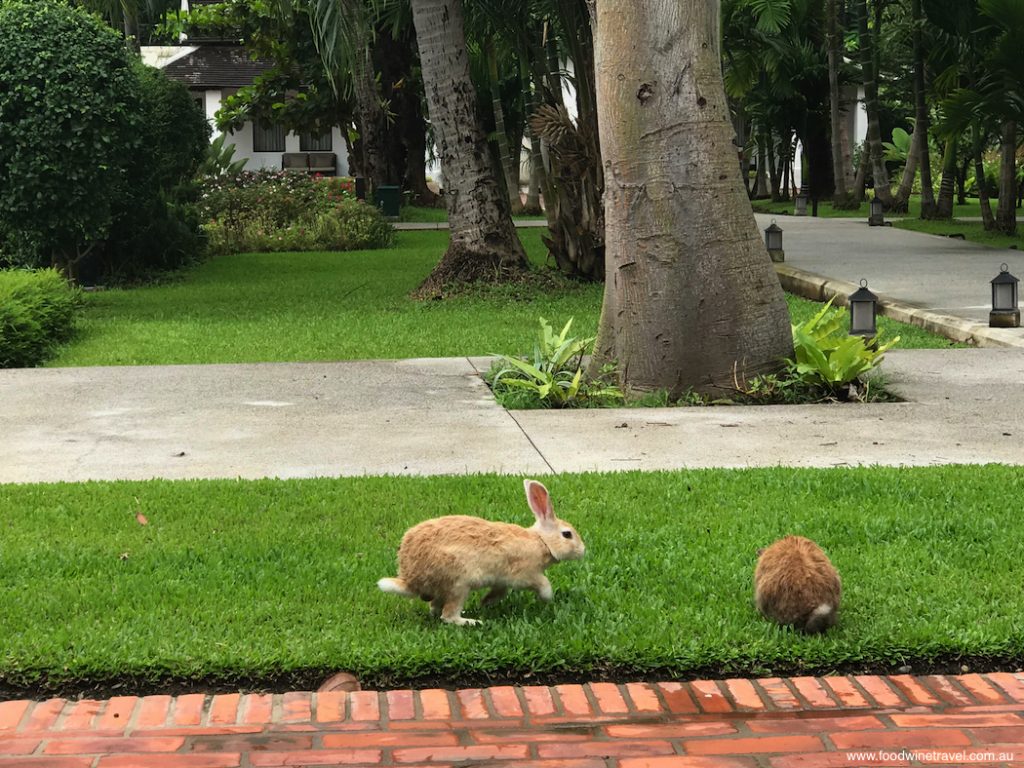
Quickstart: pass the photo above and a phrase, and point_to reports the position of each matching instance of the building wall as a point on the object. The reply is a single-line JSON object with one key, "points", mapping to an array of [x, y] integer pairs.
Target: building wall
{"points": [[243, 141]]}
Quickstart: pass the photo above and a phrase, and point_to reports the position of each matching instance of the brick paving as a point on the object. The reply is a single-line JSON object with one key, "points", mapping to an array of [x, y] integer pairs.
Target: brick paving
{"points": [[804, 722]]}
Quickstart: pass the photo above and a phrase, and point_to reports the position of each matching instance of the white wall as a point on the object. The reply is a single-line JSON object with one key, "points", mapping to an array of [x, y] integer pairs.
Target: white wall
{"points": [[242, 139]]}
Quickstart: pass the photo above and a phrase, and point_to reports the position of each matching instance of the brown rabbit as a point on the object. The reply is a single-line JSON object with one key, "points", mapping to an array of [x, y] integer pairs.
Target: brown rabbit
{"points": [[795, 583], [444, 559]]}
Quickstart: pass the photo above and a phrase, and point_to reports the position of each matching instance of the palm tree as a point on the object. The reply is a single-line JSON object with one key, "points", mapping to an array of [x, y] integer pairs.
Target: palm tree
{"points": [[483, 244]]}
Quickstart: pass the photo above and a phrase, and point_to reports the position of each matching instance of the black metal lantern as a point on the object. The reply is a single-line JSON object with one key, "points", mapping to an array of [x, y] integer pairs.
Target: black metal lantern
{"points": [[863, 311], [877, 216], [773, 240], [1005, 311]]}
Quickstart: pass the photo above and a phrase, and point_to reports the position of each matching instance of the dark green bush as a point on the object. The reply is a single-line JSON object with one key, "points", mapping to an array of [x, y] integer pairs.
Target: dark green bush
{"points": [[69, 124], [37, 312], [156, 226]]}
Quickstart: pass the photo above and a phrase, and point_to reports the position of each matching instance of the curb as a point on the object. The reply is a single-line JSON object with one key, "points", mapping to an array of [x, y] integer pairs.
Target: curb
{"points": [[800, 722], [819, 288]]}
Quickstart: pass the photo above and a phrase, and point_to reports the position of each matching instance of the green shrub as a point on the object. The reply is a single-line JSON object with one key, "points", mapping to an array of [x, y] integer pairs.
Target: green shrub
{"points": [[287, 211], [37, 312], [156, 227], [70, 122], [555, 378]]}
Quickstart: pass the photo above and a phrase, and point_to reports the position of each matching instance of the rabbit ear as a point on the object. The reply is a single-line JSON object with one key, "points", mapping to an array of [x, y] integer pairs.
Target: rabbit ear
{"points": [[539, 499]]}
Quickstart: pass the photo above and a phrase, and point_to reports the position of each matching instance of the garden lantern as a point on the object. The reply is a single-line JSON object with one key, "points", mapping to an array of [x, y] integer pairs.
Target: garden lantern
{"points": [[800, 208], [1005, 311], [863, 311], [877, 217], [773, 239]]}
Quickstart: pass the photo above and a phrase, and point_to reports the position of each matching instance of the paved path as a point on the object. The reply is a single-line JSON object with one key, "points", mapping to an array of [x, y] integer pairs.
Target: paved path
{"points": [[935, 282], [834, 722], [425, 417]]}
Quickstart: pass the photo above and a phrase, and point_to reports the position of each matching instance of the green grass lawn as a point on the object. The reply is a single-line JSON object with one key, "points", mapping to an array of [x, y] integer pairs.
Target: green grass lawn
{"points": [[971, 230], [335, 306], [236, 582], [825, 210]]}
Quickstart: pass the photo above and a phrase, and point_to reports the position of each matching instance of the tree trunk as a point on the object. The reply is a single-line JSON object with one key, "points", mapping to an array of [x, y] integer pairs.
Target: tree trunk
{"points": [[574, 177], [861, 179], [1006, 212], [984, 203], [761, 189], [370, 115], [483, 243], [842, 162], [874, 139], [901, 200], [532, 206], [691, 299], [922, 121], [509, 162], [944, 204]]}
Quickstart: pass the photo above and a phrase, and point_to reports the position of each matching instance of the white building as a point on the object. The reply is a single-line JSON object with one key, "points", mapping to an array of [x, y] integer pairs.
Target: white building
{"points": [[213, 70]]}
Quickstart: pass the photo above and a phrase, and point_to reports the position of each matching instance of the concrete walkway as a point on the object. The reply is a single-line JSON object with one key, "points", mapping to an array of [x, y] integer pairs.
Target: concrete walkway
{"points": [[424, 417], [937, 283], [834, 722]]}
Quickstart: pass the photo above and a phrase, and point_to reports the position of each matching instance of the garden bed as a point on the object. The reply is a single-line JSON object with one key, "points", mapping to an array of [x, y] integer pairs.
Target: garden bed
{"points": [[272, 583]]}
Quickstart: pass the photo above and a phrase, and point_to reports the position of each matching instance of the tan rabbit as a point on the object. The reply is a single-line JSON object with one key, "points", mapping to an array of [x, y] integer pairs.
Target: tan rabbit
{"points": [[444, 559], [795, 583]]}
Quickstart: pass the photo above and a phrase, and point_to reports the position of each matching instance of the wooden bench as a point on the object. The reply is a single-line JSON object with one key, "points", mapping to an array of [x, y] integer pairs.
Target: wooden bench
{"points": [[324, 163]]}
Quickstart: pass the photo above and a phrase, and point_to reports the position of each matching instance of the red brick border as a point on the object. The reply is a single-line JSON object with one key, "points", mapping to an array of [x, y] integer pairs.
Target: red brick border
{"points": [[972, 720]]}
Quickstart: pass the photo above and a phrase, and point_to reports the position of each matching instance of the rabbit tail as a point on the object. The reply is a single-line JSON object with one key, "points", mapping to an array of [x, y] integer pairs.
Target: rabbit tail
{"points": [[821, 618], [395, 587]]}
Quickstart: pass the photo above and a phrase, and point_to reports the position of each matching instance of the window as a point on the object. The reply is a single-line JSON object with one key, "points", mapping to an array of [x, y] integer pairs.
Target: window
{"points": [[267, 138], [311, 142]]}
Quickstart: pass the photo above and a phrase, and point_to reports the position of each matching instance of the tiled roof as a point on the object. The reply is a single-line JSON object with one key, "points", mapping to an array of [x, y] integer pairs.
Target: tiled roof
{"points": [[216, 66]]}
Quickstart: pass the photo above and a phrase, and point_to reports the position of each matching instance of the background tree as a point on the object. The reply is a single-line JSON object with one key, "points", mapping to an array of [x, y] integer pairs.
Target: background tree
{"points": [[483, 243], [691, 299]]}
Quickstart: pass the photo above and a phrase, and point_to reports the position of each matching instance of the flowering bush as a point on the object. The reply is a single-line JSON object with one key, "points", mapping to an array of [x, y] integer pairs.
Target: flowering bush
{"points": [[271, 210], [347, 226]]}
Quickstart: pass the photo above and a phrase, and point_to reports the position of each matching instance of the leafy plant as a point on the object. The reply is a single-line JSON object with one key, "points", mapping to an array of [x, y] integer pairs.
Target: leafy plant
{"points": [[555, 377], [898, 150], [37, 312], [219, 160], [826, 357]]}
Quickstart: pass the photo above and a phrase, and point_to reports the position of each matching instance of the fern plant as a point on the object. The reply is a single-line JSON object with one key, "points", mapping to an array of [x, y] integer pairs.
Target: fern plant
{"points": [[826, 357], [554, 378]]}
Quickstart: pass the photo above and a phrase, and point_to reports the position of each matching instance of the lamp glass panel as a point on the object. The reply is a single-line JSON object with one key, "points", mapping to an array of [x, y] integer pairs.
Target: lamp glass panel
{"points": [[1003, 296], [862, 317]]}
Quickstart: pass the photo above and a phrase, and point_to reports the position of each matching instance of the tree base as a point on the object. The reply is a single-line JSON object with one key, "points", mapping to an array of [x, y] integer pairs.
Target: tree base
{"points": [[462, 266]]}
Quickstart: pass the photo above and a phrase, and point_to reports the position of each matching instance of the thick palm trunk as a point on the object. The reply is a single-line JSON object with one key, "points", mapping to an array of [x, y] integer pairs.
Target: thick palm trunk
{"points": [[871, 106], [691, 298], [901, 200], [842, 162], [483, 243]]}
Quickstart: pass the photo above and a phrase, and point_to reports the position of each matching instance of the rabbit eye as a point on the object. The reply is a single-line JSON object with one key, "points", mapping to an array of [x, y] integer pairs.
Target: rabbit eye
{"points": [[566, 534]]}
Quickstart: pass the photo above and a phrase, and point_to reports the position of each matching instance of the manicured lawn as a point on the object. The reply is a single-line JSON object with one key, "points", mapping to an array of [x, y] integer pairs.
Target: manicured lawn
{"points": [[415, 213], [334, 306], [275, 580], [971, 230], [825, 210]]}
